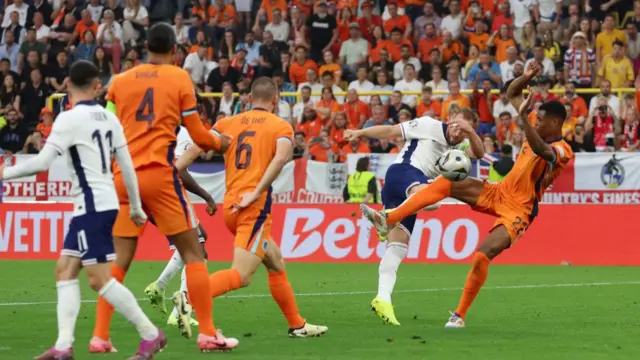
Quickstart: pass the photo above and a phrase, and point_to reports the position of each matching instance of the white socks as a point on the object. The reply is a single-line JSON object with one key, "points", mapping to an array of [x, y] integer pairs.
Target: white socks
{"points": [[68, 310], [126, 304], [175, 264], [183, 288], [393, 256]]}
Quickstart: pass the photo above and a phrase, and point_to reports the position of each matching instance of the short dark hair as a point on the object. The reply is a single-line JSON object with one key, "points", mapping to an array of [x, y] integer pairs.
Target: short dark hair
{"points": [[555, 109], [363, 164], [83, 73], [161, 38], [618, 42], [396, 30], [277, 73], [506, 148], [505, 113]]}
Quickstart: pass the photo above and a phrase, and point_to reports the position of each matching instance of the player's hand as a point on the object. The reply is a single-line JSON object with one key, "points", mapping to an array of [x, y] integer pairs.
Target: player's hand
{"points": [[532, 69], [526, 105], [138, 216], [461, 126], [246, 199], [225, 141], [351, 134], [212, 207]]}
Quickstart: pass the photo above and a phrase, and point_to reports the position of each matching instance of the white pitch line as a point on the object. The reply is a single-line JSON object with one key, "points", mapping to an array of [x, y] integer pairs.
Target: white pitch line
{"points": [[369, 292]]}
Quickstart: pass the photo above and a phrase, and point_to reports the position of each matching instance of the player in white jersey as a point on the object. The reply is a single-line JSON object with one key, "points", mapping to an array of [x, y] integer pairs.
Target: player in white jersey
{"points": [[156, 290], [426, 140], [88, 136]]}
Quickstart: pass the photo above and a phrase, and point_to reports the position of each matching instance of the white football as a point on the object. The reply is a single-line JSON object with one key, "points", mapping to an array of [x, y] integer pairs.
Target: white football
{"points": [[454, 165]]}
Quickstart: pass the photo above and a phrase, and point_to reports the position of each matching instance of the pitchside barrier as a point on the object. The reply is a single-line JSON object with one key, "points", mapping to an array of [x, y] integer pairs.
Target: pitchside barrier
{"points": [[572, 231], [618, 91]]}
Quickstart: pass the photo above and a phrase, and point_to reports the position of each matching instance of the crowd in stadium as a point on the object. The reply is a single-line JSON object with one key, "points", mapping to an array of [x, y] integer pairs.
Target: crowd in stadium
{"points": [[332, 53]]}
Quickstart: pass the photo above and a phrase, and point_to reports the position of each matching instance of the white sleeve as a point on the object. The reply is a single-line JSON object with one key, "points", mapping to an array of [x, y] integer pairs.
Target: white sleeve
{"points": [[183, 142], [119, 140], [62, 134], [123, 158], [424, 128], [35, 165]]}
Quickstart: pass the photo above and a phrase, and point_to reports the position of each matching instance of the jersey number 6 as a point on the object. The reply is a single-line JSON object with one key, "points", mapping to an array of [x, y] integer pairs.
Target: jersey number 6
{"points": [[245, 148]]}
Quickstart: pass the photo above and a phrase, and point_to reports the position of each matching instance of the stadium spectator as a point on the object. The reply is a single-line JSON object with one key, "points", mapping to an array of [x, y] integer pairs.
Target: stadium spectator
{"points": [[578, 105], [297, 28], [115, 7], [428, 106], [486, 69], [299, 145], [196, 65], [606, 38], [428, 40], [322, 149], [42, 30], [355, 146], [60, 14], [377, 118], [240, 63], [8, 93], [32, 99], [398, 21], [269, 58], [479, 36], [84, 25], [548, 67], [95, 9], [437, 83], [330, 65], [42, 7], [362, 84], [110, 38], [180, 29], [405, 58], [10, 50], [223, 73], [14, 134], [396, 106], [337, 131], [369, 21], [409, 83], [382, 84], [601, 124], [384, 64], [32, 63], [483, 101], [489, 143], [454, 98], [19, 32], [283, 110], [243, 104], [503, 16], [278, 27], [453, 22], [58, 73], [429, 16], [580, 62], [507, 67], [582, 141], [617, 67], [136, 19], [354, 52], [504, 128], [629, 137], [570, 24], [605, 93], [310, 123], [86, 48], [305, 100], [328, 81], [327, 107], [500, 42], [300, 66], [453, 74], [633, 46], [569, 124], [322, 30], [394, 46]]}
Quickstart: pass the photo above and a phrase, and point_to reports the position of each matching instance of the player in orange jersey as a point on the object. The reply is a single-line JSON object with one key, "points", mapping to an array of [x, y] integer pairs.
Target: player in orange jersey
{"points": [[514, 201], [152, 101], [261, 146]]}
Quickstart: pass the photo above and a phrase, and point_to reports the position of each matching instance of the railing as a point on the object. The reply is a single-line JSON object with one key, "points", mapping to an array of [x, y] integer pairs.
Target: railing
{"points": [[618, 91]]}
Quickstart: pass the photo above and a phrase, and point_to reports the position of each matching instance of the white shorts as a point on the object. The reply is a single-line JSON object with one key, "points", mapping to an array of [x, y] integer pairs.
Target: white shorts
{"points": [[243, 5]]}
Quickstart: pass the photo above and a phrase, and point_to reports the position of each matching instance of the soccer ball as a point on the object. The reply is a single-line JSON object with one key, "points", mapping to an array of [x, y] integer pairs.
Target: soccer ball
{"points": [[454, 165]]}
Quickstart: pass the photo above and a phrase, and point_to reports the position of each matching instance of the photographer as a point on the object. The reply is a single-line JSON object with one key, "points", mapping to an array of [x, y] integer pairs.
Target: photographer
{"points": [[602, 123]]}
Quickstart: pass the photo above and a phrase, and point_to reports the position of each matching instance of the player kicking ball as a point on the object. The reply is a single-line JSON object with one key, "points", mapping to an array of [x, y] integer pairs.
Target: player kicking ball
{"points": [[514, 201], [261, 146], [88, 135], [426, 140], [156, 290]]}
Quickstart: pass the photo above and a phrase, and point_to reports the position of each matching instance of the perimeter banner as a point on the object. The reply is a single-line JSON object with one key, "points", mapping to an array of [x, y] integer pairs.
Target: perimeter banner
{"points": [[576, 234]]}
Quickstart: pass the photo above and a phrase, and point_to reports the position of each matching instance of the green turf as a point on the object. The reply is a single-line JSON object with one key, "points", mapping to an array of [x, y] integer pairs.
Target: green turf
{"points": [[507, 321]]}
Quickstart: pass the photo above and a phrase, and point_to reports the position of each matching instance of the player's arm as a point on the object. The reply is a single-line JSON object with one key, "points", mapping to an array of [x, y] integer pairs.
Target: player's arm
{"points": [[192, 186], [60, 138], [188, 157], [375, 132], [516, 87], [476, 147], [538, 145], [123, 158], [284, 153]]}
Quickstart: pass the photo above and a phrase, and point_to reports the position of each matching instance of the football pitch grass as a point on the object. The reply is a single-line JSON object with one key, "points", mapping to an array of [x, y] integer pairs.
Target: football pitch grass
{"points": [[524, 312]]}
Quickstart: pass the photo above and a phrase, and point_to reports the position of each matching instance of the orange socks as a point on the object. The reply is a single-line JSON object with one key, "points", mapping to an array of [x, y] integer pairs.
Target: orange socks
{"points": [[223, 281], [436, 191], [199, 295], [104, 312], [283, 295], [476, 278]]}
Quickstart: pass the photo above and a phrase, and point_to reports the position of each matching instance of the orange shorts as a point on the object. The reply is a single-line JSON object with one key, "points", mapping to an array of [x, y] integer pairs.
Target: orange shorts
{"points": [[163, 198], [251, 228], [495, 200]]}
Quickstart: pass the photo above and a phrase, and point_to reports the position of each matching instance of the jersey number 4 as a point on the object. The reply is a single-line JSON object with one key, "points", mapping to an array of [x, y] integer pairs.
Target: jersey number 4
{"points": [[97, 137], [145, 110], [243, 147]]}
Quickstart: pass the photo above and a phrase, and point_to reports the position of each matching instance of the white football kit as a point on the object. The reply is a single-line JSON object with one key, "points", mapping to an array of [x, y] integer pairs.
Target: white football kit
{"points": [[89, 136]]}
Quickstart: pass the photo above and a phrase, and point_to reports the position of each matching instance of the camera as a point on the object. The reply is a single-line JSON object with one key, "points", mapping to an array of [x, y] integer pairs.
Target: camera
{"points": [[603, 108]]}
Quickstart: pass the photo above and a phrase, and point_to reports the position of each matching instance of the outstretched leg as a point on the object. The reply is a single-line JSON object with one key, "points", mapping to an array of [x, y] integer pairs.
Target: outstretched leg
{"points": [[282, 293]]}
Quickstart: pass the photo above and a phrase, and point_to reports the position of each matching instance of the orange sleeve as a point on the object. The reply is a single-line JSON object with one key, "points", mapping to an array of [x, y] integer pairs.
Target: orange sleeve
{"points": [[191, 117], [111, 90], [284, 131]]}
